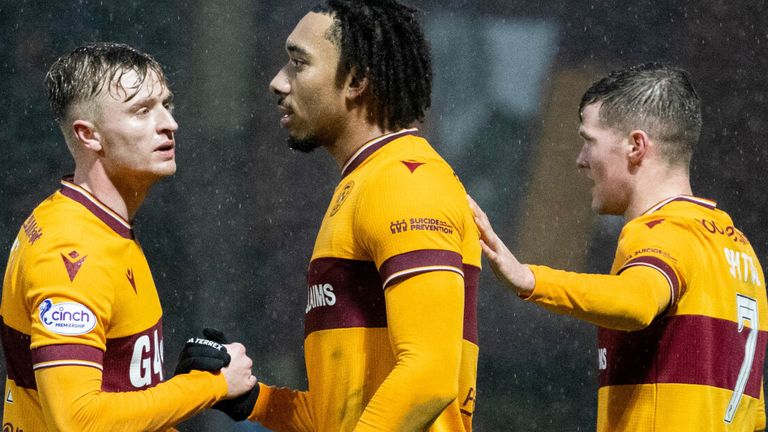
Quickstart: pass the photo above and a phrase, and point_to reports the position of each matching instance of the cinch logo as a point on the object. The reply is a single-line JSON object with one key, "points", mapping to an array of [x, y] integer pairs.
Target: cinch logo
{"points": [[320, 295], [68, 318]]}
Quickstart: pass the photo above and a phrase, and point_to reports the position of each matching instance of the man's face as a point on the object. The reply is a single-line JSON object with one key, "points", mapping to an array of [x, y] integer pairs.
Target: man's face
{"points": [[137, 135], [310, 101], [603, 157]]}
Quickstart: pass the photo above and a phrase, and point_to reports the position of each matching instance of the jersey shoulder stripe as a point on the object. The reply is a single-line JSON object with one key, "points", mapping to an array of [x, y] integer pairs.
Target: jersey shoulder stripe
{"points": [[405, 265]]}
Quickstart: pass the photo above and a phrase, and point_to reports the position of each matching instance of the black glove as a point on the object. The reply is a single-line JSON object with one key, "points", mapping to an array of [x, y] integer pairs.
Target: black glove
{"points": [[240, 407], [202, 354]]}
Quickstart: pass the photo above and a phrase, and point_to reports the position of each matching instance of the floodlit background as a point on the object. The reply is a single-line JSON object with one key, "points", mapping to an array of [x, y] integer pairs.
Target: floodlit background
{"points": [[230, 235]]}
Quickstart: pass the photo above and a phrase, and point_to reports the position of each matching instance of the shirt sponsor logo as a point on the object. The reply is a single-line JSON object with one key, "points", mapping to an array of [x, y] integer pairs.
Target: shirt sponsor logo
{"points": [[420, 224], [730, 231], [398, 226], [646, 251], [147, 361], [67, 318], [602, 358], [319, 295]]}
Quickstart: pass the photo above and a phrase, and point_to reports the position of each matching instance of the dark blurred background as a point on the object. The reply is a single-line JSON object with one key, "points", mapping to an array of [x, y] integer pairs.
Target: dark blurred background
{"points": [[230, 235]]}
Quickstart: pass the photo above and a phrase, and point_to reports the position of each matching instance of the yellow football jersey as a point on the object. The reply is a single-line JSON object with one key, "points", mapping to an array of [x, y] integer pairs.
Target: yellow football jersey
{"points": [[77, 291], [398, 211], [699, 365]]}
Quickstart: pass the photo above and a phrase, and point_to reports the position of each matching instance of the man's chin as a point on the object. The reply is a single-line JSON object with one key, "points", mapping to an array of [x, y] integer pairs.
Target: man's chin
{"points": [[304, 145]]}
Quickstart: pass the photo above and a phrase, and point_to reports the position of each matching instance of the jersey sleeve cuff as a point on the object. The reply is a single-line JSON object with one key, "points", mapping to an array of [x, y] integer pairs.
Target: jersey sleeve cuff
{"points": [[262, 402], [540, 283]]}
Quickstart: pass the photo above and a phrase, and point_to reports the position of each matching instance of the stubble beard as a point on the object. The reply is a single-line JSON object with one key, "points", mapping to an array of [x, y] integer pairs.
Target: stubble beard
{"points": [[304, 145]]}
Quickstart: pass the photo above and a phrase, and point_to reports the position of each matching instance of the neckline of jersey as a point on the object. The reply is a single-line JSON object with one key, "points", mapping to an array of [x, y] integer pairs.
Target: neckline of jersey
{"points": [[370, 147], [80, 195], [711, 205]]}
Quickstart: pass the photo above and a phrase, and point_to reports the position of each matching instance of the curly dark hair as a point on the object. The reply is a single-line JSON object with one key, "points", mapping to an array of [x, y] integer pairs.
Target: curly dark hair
{"points": [[383, 40], [84, 73]]}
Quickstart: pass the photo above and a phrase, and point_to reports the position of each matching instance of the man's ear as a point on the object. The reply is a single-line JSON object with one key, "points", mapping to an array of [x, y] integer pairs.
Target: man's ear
{"points": [[87, 135], [639, 145], [356, 84]]}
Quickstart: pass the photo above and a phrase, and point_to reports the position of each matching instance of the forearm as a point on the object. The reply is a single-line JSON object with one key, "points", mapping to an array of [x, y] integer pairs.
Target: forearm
{"points": [[425, 319], [629, 301], [282, 409], [72, 399]]}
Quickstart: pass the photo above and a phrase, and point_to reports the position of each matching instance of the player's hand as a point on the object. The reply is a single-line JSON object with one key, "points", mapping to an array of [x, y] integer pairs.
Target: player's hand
{"points": [[202, 354], [242, 386], [507, 268]]}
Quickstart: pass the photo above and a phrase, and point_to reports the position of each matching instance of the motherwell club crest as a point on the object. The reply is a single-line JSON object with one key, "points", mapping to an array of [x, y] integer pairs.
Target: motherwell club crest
{"points": [[342, 197], [73, 262]]}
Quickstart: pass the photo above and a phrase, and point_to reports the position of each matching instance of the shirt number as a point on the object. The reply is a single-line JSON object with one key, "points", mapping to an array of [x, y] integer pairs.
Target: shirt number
{"points": [[746, 310]]}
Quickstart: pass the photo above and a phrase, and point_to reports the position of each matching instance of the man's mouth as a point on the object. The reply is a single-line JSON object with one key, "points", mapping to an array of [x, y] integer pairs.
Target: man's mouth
{"points": [[166, 149], [168, 145], [286, 114]]}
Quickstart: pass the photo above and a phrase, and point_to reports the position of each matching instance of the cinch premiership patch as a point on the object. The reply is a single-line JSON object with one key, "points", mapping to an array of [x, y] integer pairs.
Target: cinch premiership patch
{"points": [[67, 318]]}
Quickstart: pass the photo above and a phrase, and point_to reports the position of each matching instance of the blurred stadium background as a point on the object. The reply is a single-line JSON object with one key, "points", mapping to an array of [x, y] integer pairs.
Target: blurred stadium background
{"points": [[229, 237]]}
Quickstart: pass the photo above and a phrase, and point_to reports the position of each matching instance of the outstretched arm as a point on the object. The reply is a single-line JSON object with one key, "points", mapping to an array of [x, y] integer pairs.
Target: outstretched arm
{"points": [[280, 409], [72, 398], [627, 301]]}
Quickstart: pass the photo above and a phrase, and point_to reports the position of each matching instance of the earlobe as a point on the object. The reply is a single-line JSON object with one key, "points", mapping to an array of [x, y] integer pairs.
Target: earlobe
{"points": [[86, 135]]}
